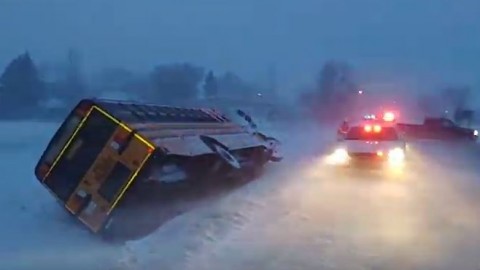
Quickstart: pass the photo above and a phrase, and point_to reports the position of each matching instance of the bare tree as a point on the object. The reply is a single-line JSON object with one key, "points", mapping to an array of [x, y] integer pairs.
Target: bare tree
{"points": [[176, 82], [210, 85]]}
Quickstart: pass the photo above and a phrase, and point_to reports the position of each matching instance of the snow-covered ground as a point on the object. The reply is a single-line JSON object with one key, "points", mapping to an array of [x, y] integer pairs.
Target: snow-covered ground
{"points": [[35, 233], [298, 216]]}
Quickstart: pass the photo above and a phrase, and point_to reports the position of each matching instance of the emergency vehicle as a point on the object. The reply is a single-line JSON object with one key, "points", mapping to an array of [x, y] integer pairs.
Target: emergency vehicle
{"points": [[372, 142]]}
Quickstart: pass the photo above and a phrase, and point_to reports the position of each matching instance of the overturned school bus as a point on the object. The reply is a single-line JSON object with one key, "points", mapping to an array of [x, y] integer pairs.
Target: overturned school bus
{"points": [[110, 160]]}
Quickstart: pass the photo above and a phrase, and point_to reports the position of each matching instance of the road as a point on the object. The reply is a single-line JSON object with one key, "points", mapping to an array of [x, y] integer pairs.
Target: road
{"points": [[302, 216]]}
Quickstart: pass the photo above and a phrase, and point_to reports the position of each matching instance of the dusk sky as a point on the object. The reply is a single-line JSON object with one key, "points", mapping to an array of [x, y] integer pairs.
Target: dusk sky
{"points": [[427, 41]]}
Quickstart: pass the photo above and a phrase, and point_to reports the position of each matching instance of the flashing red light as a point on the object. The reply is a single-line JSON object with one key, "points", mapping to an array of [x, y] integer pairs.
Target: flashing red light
{"points": [[121, 137], [375, 128], [120, 140], [389, 116], [83, 108], [43, 170]]}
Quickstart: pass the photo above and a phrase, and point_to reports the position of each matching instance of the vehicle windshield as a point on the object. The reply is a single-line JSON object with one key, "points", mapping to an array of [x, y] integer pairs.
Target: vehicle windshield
{"points": [[359, 133]]}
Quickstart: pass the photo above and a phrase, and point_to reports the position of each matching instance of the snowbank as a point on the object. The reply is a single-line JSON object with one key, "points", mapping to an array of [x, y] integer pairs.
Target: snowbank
{"points": [[35, 232]]}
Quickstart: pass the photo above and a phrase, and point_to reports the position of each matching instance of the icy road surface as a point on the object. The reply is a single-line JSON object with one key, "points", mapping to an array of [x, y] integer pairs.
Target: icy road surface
{"points": [[298, 216]]}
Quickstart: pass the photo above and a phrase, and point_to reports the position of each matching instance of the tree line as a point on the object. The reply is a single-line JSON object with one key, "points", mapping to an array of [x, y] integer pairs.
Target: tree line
{"points": [[333, 93], [336, 93], [29, 90]]}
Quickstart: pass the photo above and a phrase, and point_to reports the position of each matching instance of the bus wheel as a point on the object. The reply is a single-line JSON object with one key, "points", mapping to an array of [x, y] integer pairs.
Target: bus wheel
{"points": [[222, 151], [226, 156]]}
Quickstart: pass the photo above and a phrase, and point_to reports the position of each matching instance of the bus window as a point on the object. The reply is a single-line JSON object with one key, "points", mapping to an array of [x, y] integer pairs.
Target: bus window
{"points": [[59, 140], [80, 154]]}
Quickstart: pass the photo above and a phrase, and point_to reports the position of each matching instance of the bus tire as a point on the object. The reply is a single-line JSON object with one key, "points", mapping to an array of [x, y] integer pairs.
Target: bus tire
{"points": [[222, 151]]}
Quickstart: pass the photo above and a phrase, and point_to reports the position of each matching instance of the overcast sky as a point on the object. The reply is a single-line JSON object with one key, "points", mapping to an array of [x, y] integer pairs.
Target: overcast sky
{"points": [[435, 40]]}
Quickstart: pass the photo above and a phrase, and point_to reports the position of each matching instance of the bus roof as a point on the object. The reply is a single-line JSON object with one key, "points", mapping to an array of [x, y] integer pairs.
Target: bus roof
{"points": [[163, 126], [132, 112]]}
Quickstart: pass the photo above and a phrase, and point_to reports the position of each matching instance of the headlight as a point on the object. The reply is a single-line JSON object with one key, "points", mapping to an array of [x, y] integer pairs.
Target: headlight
{"points": [[475, 132], [396, 156], [339, 156]]}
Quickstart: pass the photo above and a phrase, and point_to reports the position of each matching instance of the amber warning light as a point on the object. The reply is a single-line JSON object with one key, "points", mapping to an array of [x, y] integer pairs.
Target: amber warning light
{"points": [[389, 116]]}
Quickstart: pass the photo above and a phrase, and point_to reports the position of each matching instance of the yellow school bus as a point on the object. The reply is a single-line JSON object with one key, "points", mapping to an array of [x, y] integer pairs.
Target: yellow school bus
{"points": [[109, 153]]}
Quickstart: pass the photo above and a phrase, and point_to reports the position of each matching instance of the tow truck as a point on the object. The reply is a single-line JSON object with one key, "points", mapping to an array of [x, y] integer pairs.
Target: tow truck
{"points": [[438, 128], [373, 142]]}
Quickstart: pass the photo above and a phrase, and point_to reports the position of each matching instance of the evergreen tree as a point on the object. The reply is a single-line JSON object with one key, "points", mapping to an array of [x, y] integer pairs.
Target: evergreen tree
{"points": [[22, 87]]}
